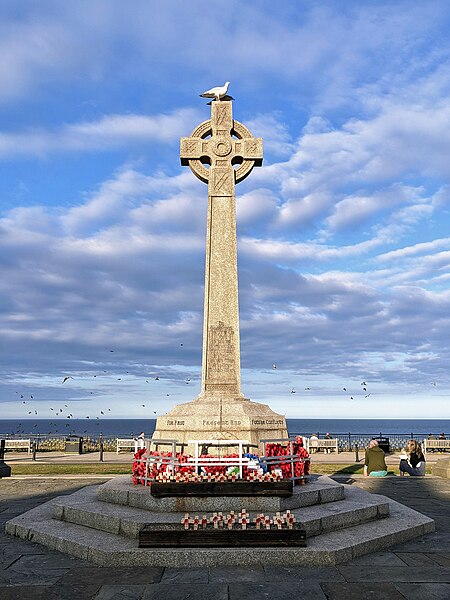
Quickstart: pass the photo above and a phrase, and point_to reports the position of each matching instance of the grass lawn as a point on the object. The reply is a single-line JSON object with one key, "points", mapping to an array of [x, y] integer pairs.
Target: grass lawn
{"points": [[124, 469], [71, 469]]}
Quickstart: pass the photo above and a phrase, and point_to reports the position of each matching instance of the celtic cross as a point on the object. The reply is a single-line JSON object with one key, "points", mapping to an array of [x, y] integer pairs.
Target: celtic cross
{"points": [[221, 152]]}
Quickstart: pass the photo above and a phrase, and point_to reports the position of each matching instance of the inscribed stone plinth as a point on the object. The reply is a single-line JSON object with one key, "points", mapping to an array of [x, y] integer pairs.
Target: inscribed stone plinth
{"points": [[221, 411]]}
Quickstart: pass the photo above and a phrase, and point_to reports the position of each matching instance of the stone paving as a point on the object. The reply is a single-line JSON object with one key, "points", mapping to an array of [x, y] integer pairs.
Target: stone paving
{"points": [[417, 570]]}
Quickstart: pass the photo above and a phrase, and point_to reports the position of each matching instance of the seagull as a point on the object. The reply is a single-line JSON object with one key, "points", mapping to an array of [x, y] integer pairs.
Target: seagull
{"points": [[66, 378], [216, 92], [274, 366], [293, 391]]}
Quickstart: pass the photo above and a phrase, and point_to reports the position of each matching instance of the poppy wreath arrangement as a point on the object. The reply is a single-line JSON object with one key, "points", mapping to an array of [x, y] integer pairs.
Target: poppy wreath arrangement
{"points": [[301, 467], [161, 470]]}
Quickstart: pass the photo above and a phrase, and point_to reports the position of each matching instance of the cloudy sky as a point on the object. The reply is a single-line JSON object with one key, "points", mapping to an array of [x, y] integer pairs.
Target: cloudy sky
{"points": [[343, 234]]}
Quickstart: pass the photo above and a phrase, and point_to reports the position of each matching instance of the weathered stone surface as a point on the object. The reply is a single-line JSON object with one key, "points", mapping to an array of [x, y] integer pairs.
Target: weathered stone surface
{"points": [[121, 490], [357, 591], [422, 591], [442, 468], [186, 591], [86, 510], [306, 590]]}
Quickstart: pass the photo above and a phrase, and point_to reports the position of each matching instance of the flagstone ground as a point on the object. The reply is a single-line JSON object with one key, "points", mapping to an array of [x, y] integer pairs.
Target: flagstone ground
{"points": [[416, 570]]}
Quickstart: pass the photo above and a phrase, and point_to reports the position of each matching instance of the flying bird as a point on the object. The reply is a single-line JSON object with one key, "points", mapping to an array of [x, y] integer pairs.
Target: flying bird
{"points": [[274, 366], [66, 378], [293, 391], [216, 92]]}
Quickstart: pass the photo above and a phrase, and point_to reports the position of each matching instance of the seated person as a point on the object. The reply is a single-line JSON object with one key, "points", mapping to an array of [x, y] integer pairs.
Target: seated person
{"points": [[413, 462], [375, 462]]}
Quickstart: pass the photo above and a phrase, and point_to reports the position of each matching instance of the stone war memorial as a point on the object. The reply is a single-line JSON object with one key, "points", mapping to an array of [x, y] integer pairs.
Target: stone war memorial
{"points": [[247, 509], [221, 152]]}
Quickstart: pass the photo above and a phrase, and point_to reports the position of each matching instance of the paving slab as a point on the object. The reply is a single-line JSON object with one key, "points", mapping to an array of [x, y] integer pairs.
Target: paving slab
{"points": [[294, 574], [417, 574], [442, 559], [186, 575], [186, 591], [121, 592], [416, 559], [306, 590], [375, 559], [359, 591], [424, 591], [231, 574], [106, 575]]}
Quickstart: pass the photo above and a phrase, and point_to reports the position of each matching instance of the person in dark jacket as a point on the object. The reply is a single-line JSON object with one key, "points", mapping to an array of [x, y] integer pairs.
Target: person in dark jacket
{"points": [[414, 463], [375, 462]]}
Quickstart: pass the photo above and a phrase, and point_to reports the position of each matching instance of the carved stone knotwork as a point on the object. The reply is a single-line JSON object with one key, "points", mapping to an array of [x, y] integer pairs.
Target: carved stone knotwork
{"points": [[221, 137]]}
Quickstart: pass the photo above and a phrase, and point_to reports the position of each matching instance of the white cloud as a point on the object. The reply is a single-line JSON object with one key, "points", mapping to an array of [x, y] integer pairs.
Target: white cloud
{"points": [[109, 132]]}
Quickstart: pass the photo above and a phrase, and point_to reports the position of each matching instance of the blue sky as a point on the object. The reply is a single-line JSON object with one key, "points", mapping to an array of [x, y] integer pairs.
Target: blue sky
{"points": [[343, 234]]}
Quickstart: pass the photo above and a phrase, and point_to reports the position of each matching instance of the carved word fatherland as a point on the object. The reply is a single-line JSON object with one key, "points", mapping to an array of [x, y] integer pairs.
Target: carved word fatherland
{"points": [[267, 422]]}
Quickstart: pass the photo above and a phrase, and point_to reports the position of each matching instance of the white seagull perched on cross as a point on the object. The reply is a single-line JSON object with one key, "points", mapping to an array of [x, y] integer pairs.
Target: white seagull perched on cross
{"points": [[216, 92]]}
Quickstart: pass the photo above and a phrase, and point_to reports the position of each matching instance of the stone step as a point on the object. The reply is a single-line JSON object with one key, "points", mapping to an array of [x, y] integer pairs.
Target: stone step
{"points": [[82, 508], [120, 490], [108, 549]]}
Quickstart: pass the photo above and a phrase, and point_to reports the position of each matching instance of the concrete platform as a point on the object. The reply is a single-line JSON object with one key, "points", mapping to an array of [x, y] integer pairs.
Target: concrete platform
{"points": [[120, 490], [83, 508], [350, 523], [411, 570]]}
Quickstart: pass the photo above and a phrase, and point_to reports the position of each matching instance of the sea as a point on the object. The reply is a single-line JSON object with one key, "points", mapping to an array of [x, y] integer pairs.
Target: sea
{"points": [[109, 428]]}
